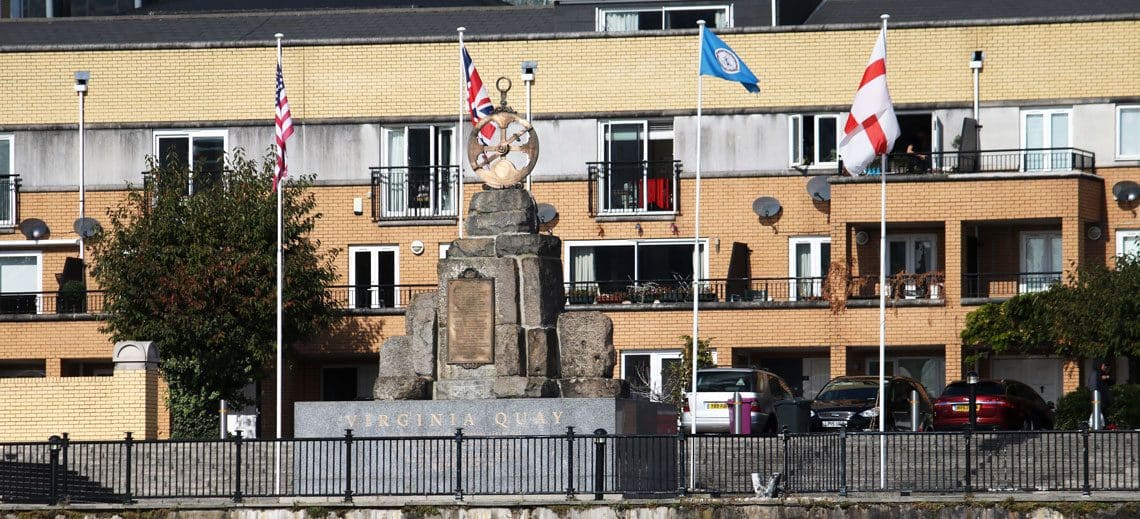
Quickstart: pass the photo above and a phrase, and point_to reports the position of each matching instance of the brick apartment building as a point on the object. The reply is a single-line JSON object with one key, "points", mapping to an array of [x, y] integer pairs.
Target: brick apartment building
{"points": [[374, 96]]}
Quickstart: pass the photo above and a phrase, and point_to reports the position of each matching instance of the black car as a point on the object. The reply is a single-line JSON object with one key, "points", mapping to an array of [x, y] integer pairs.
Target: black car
{"points": [[853, 403]]}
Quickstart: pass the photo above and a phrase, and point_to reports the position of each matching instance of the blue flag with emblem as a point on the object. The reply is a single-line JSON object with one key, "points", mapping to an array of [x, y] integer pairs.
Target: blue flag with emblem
{"points": [[719, 60]]}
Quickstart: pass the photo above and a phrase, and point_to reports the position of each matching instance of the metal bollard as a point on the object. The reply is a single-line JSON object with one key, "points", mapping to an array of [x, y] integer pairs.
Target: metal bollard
{"points": [[54, 446], [914, 418], [1097, 417], [599, 464], [737, 420]]}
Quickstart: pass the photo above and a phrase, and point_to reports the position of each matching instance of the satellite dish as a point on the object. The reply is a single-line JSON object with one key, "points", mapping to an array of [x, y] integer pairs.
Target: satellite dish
{"points": [[819, 189], [1126, 191], [86, 227], [546, 213], [766, 207], [34, 229]]}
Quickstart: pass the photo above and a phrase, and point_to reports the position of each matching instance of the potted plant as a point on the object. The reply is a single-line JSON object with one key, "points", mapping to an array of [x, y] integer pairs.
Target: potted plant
{"points": [[612, 298], [580, 296], [72, 298]]}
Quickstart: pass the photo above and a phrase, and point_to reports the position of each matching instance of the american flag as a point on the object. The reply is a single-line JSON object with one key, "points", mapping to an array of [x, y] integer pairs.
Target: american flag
{"points": [[284, 125], [478, 102]]}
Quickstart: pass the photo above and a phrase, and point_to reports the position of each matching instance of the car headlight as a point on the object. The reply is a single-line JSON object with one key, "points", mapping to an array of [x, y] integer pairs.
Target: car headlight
{"points": [[870, 413], [812, 413]]}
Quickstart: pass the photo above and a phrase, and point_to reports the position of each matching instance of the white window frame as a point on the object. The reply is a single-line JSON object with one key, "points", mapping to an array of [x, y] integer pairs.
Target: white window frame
{"points": [[191, 135], [910, 240], [39, 279], [816, 243], [795, 141], [656, 374], [600, 14], [1047, 137], [374, 250], [1120, 109], [1121, 235], [9, 220], [436, 207], [568, 244], [1024, 286]]}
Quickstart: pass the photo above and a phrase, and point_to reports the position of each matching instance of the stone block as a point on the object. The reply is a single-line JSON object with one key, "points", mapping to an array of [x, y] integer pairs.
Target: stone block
{"points": [[586, 345], [541, 291], [510, 350], [396, 358], [528, 244], [420, 322], [472, 248], [402, 388], [526, 387], [492, 224], [498, 200], [542, 352], [593, 388], [472, 389]]}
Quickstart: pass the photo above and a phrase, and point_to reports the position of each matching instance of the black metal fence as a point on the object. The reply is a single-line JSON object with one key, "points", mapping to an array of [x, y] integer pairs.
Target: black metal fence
{"points": [[414, 192], [992, 285], [634, 187], [570, 464], [30, 303], [988, 161], [731, 290]]}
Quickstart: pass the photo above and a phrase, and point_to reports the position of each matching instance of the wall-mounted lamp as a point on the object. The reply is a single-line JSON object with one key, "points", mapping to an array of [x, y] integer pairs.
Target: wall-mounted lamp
{"points": [[601, 231], [716, 244], [637, 226], [673, 228]]}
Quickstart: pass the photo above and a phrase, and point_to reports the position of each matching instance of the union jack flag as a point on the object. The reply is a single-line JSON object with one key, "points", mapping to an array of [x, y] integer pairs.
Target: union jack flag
{"points": [[478, 102], [283, 121]]}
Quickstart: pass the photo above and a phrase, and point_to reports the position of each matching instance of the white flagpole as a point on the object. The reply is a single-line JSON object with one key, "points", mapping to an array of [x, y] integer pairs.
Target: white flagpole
{"points": [[280, 278], [883, 308], [459, 132], [696, 258]]}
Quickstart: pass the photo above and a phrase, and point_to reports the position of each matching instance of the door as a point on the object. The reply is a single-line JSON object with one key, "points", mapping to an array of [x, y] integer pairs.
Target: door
{"points": [[373, 277], [1043, 374], [808, 266], [624, 147], [1045, 137], [1040, 261], [816, 374], [911, 256]]}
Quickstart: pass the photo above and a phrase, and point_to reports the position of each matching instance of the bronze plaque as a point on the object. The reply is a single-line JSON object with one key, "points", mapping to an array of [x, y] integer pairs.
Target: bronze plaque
{"points": [[471, 321]]}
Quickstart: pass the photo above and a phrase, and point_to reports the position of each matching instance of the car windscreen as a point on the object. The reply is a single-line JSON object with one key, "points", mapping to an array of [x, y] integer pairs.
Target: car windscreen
{"points": [[850, 390], [725, 381], [984, 388]]}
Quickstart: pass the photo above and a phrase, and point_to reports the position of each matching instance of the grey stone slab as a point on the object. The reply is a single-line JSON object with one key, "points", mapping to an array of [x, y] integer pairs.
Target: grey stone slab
{"points": [[594, 388], [493, 417], [510, 350], [531, 387], [465, 389], [472, 248], [499, 200], [491, 224], [586, 345], [542, 352], [541, 296], [396, 358], [528, 244], [402, 388], [420, 323]]}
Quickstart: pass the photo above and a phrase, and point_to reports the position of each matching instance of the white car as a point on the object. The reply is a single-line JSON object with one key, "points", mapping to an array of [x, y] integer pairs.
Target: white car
{"points": [[716, 387]]}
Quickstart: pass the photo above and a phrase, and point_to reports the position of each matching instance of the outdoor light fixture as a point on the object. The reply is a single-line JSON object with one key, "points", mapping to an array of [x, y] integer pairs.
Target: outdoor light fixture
{"points": [[637, 227], [528, 68], [972, 380], [81, 79]]}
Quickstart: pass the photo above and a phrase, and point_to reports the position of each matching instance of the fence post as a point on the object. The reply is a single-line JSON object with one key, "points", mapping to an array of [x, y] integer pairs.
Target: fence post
{"points": [[843, 462], [348, 465], [459, 464], [128, 444], [65, 443], [969, 435], [682, 461], [1086, 489], [54, 445], [599, 464], [237, 466], [786, 476], [570, 463]]}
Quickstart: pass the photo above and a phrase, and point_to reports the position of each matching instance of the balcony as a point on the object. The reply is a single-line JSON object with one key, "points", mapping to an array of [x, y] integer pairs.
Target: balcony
{"points": [[51, 303], [987, 286], [725, 290], [356, 298], [633, 188], [9, 189], [403, 193], [928, 286], [1027, 160]]}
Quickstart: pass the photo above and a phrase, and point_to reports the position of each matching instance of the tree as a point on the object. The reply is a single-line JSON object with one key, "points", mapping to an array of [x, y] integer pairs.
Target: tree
{"points": [[197, 274], [679, 378], [1093, 315]]}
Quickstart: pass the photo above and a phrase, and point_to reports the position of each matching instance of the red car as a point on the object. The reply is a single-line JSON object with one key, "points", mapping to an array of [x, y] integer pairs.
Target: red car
{"points": [[1001, 404]]}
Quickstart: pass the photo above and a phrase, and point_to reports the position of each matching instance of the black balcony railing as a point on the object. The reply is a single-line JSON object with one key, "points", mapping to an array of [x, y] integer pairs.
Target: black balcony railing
{"points": [[633, 187], [711, 290], [930, 285], [33, 303], [990, 285], [9, 198], [363, 297], [988, 161], [414, 192]]}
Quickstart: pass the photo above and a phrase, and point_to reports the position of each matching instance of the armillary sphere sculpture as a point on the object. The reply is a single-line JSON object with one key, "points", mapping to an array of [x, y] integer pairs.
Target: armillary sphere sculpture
{"points": [[494, 162]]}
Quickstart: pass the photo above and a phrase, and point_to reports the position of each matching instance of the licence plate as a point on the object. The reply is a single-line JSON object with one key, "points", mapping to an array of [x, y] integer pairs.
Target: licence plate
{"points": [[716, 405], [834, 423], [965, 408]]}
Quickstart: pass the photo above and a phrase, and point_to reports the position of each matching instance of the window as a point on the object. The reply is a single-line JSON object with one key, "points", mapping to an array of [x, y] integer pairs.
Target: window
{"points": [[615, 266], [808, 262], [913, 257], [1046, 138], [20, 282], [201, 152], [1128, 132], [814, 140], [1040, 261], [345, 382], [373, 274], [418, 175], [663, 18], [636, 172], [7, 184], [1128, 242], [649, 373], [22, 369]]}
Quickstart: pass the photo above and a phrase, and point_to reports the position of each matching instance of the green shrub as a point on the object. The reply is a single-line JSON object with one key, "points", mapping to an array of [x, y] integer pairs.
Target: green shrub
{"points": [[1074, 409]]}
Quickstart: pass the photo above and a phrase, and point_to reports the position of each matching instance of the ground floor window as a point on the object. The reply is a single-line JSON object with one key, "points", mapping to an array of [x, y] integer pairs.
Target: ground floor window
{"points": [[1128, 242], [649, 373]]}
